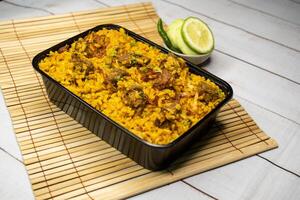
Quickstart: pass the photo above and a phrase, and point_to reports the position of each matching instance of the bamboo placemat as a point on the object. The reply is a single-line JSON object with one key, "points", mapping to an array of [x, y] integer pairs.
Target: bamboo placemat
{"points": [[63, 159]]}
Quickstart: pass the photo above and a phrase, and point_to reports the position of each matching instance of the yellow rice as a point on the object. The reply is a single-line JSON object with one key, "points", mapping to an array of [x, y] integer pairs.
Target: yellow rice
{"points": [[150, 93]]}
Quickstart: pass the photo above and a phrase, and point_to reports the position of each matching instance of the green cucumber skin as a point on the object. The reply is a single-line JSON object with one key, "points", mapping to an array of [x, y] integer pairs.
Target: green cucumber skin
{"points": [[174, 33], [164, 36]]}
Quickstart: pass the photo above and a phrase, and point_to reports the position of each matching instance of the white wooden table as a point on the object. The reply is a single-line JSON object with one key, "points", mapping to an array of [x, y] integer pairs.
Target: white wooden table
{"points": [[257, 52]]}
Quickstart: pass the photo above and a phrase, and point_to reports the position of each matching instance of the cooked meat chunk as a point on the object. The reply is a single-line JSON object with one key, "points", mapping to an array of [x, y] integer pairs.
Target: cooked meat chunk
{"points": [[149, 74], [97, 46], [116, 75], [135, 98], [63, 49], [125, 59], [163, 80], [140, 60], [90, 67], [82, 65], [163, 124], [209, 94], [132, 60], [152, 94]]}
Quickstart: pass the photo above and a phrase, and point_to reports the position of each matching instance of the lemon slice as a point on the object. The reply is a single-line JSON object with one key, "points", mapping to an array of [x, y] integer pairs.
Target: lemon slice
{"points": [[197, 35]]}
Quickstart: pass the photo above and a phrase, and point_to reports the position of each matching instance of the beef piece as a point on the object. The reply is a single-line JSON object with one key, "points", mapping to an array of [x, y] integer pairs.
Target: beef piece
{"points": [[79, 65], [115, 76], [90, 68], [125, 59], [63, 49], [140, 60], [132, 60], [163, 124], [163, 80], [135, 98], [208, 92], [96, 47], [149, 74]]}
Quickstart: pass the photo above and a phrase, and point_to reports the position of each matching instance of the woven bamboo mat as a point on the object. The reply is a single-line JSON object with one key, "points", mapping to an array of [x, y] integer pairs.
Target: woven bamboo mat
{"points": [[63, 159]]}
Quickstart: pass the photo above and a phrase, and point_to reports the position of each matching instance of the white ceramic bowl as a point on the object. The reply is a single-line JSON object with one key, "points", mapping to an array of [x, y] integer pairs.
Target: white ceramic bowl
{"points": [[195, 59]]}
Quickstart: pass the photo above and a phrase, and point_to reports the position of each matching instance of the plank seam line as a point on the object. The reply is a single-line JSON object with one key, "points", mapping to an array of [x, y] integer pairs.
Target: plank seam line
{"points": [[12, 156], [267, 109], [29, 7], [102, 3], [294, 1], [273, 163], [258, 67], [231, 25], [264, 12], [199, 190], [80, 13]]}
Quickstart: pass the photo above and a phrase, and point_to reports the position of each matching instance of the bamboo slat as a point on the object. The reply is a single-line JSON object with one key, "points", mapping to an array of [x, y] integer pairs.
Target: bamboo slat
{"points": [[64, 159]]}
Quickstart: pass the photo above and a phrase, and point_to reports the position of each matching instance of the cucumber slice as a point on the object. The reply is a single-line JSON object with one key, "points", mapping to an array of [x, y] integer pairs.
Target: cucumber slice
{"points": [[172, 31], [164, 36], [174, 34]]}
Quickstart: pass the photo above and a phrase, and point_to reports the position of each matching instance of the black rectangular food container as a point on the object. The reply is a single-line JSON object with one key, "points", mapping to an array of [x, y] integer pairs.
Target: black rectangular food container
{"points": [[148, 155]]}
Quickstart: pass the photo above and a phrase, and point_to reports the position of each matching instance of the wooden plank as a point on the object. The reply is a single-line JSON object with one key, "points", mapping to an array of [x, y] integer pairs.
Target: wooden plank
{"points": [[63, 163], [266, 95], [284, 10], [178, 190], [268, 27], [287, 134], [250, 48], [251, 177], [13, 178]]}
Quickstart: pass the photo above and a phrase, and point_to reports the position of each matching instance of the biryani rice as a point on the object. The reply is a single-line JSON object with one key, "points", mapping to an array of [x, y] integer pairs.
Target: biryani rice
{"points": [[150, 93]]}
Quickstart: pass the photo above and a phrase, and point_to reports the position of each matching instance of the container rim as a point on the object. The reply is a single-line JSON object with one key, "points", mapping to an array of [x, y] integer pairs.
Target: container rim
{"points": [[226, 88]]}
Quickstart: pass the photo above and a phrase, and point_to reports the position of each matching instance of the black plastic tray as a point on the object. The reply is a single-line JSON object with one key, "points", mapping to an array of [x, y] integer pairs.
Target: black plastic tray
{"points": [[148, 155]]}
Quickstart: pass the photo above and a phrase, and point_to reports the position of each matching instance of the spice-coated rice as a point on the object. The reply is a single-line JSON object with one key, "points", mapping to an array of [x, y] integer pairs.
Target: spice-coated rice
{"points": [[150, 93]]}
